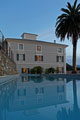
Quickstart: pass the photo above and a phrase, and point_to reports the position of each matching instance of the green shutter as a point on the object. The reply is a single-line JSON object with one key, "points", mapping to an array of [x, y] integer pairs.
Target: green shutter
{"points": [[41, 58], [35, 57], [62, 58], [17, 57], [24, 57]]}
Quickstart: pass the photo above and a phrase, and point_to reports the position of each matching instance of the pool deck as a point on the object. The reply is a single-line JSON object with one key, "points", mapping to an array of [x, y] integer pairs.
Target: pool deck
{"points": [[5, 79]]}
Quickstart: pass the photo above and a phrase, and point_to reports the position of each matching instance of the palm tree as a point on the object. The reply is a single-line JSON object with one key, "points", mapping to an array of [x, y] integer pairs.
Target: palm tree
{"points": [[68, 25]]}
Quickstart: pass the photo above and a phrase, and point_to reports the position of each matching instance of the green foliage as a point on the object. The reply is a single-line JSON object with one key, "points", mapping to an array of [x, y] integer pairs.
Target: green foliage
{"points": [[36, 70], [32, 71], [57, 71], [46, 71], [69, 67], [68, 25], [39, 70], [49, 70], [78, 68], [68, 22]]}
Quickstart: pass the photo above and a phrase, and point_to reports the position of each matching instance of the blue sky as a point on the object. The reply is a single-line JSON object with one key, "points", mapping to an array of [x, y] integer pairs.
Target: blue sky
{"points": [[33, 16]]}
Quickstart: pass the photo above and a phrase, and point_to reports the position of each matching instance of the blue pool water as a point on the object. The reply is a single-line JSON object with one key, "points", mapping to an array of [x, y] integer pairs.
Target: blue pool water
{"points": [[40, 98]]}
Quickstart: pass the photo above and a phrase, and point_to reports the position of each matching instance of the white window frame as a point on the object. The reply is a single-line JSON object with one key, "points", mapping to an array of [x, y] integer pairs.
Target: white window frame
{"points": [[18, 46], [20, 57], [60, 51], [37, 50]]}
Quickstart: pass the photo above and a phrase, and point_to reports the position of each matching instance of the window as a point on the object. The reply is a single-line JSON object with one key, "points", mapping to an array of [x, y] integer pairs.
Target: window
{"points": [[60, 58], [38, 48], [20, 46], [59, 69], [24, 70], [21, 57], [38, 58], [59, 49]]}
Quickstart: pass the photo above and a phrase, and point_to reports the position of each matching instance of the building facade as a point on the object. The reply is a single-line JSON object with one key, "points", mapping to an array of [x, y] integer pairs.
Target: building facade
{"points": [[29, 52]]}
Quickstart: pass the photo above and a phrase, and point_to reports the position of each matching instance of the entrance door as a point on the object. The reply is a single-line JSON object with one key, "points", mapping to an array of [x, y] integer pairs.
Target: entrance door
{"points": [[60, 69], [24, 70]]}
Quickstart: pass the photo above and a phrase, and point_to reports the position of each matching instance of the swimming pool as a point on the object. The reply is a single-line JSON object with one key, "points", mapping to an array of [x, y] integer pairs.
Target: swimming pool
{"points": [[40, 98]]}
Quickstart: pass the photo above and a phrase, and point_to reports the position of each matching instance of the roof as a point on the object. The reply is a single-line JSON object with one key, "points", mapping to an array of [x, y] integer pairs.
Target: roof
{"points": [[29, 34], [37, 41]]}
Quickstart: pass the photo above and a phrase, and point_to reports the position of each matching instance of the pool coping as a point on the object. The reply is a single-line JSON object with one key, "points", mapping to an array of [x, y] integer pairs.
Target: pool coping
{"points": [[7, 78], [69, 76]]}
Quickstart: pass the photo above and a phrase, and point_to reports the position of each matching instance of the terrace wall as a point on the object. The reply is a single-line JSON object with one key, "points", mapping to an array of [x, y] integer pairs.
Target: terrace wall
{"points": [[7, 65]]}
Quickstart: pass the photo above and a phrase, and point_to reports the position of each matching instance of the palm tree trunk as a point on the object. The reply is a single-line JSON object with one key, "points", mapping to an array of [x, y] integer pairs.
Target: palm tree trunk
{"points": [[74, 56]]}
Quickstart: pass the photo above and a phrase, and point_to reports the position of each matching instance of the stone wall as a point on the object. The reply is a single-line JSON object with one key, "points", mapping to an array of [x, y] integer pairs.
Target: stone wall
{"points": [[7, 66]]}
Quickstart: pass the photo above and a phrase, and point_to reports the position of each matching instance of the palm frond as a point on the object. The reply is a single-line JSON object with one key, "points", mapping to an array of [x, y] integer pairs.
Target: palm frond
{"points": [[69, 6], [68, 23], [65, 10], [62, 16], [78, 7], [75, 3]]}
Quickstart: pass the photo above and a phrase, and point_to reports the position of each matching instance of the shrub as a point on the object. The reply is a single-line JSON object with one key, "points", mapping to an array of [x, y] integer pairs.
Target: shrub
{"points": [[32, 71], [57, 71], [46, 71], [69, 67], [37, 70], [49, 70]]}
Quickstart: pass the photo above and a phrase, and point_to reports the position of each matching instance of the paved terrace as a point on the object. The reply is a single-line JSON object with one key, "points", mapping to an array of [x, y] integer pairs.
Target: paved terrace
{"points": [[5, 79]]}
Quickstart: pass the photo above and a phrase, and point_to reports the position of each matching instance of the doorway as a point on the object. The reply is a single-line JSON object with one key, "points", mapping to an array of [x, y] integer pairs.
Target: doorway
{"points": [[25, 70]]}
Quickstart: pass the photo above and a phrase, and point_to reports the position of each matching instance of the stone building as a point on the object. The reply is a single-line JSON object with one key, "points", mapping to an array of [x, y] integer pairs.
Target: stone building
{"points": [[28, 52]]}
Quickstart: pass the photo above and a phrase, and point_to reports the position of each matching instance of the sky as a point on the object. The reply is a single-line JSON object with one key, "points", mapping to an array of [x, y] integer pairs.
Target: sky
{"points": [[34, 16]]}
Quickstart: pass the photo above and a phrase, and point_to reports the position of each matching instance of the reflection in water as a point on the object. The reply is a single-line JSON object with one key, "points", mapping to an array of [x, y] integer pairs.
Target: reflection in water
{"points": [[70, 114], [6, 93], [30, 95], [37, 92]]}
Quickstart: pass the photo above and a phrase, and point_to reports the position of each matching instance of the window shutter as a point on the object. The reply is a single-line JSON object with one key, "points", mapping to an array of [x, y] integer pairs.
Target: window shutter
{"points": [[41, 58], [35, 58], [62, 58], [24, 57], [57, 58], [17, 57]]}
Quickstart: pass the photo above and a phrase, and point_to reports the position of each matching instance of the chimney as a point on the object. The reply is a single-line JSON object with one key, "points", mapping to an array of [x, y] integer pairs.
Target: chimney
{"points": [[55, 41]]}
